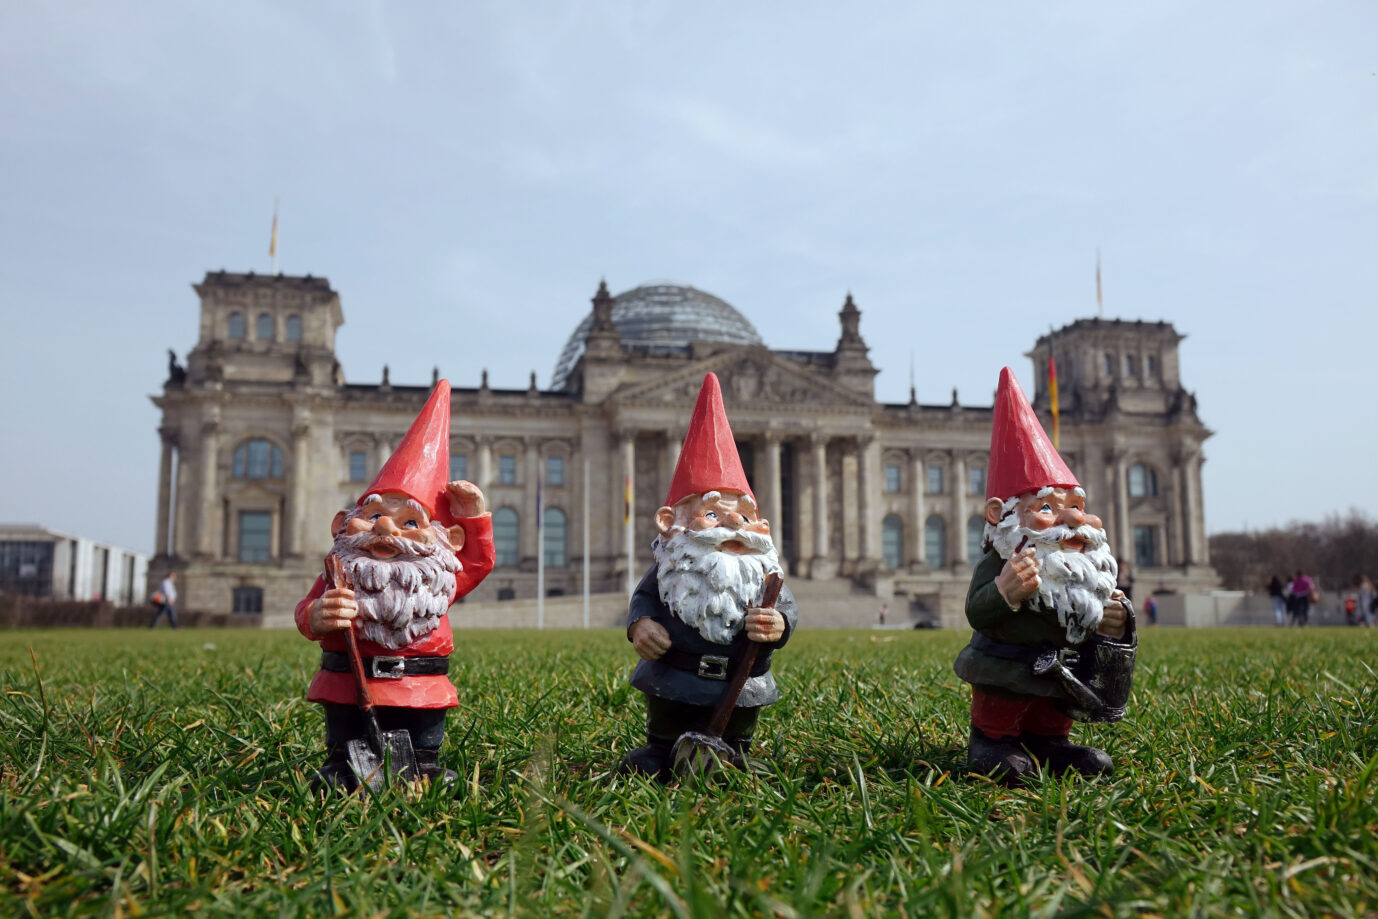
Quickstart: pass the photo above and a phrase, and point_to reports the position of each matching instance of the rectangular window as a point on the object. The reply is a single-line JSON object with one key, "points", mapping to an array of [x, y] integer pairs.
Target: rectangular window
{"points": [[935, 480], [892, 479], [1151, 363], [555, 470], [459, 467], [358, 466], [1109, 364], [255, 536], [1131, 366], [247, 600], [976, 480], [1145, 542], [507, 470]]}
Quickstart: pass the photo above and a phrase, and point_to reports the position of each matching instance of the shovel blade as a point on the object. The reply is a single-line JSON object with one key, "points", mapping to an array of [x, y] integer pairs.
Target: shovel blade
{"points": [[398, 760], [701, 754]]}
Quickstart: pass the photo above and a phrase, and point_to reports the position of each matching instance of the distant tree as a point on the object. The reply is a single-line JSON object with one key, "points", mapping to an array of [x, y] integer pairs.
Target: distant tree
{"points": [[1332, 551]]}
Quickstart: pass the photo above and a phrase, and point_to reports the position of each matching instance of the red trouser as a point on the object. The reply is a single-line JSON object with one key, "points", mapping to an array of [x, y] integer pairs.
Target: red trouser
{"points": [[998, 717]]}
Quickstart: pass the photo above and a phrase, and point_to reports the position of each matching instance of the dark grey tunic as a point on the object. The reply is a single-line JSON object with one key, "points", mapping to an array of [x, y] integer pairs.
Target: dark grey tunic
{"points": [[656, 678]]}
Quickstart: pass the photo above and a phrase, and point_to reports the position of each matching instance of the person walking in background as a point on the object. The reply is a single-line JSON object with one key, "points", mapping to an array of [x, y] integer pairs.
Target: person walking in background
{"points": [[165, 600], [1364, 588], [1302, 589], [1277, 594]]}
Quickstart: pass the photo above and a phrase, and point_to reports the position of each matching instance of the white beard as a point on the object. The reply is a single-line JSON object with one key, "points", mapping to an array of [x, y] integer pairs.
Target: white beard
{"points": [[1075, 585], [402, 598], [708, 588]]}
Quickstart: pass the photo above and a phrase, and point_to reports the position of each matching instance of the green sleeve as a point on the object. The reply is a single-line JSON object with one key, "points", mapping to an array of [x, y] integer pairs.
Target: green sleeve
{"points": [[986, 608]]}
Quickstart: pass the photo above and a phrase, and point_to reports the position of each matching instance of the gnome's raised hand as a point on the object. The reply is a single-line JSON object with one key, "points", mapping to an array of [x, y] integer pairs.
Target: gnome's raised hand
{"points": [[466, 500]]}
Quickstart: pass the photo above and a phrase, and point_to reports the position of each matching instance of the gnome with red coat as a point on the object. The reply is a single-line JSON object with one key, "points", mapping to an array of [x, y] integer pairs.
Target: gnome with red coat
{"points": [[411, 545], [1046, 583], [694, 613]]}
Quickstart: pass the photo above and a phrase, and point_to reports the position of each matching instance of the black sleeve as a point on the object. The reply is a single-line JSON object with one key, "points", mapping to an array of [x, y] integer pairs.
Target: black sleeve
{"points": [[789, 610], [645, 601]]}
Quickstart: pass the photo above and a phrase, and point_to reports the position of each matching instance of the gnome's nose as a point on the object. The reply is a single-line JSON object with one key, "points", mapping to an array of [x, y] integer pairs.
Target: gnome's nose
{"points": [[385, 526]]}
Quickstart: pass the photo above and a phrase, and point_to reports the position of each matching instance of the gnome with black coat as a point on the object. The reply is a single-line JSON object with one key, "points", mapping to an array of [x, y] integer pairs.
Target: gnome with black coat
{"points": [[694, 612], [1045, 583]]}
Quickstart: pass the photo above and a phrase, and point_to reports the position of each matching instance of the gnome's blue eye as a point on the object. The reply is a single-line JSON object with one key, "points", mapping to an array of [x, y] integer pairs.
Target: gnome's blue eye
{"points": [[711, 515], [411, 524], [1046, 507], [374, 518]]}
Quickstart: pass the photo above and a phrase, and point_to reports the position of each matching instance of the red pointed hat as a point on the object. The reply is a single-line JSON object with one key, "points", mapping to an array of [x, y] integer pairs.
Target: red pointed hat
{"points": [[420, 466], [708, 461], [1022, 458]]}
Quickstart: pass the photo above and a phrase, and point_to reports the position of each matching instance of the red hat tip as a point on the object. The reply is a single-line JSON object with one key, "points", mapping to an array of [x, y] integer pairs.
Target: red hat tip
{"points": [[1022, 458], [708, 461], [420, 466]]}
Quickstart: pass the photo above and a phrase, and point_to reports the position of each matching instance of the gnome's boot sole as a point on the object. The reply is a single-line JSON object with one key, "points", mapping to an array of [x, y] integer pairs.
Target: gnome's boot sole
{"points": [[1003, 760], [334, 775], [652, 760], [1058, 754]]}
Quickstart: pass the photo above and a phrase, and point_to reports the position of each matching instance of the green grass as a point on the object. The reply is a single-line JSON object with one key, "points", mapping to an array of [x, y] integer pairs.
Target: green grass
{"points": [[161, 773]]}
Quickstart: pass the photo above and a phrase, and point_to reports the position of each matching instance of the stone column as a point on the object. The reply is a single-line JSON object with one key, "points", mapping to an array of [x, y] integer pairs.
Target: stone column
{"points": [[823, 564], [917, 486], [160, 545], [869, 496], [1124, 534], [528, 544], [959, 506], [670, 456], [851, 504], [1177, 521], [1195, 517], [772, 506], [182, 541], [210, 493], [627, 488], [483, 465], [382, 452], [301, 473]]}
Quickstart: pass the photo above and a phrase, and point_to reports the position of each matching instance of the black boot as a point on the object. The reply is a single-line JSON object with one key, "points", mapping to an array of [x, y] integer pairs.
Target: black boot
{"points": [[652, 759], [335, 774], [1003, 760], [1058, 754], [428, 765]]}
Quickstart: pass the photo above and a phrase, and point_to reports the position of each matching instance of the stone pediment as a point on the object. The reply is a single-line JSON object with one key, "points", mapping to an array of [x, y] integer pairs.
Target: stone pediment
{"points": [[750, 377]]}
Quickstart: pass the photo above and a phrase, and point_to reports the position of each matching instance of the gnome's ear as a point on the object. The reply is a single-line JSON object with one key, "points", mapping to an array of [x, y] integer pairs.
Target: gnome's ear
{"points": [[338, 523], [456, 537], [665, 518], [994, 508]]}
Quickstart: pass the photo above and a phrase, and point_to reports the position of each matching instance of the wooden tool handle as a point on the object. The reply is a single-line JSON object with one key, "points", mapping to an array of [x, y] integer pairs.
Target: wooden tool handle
{"points": [[337, 577], [723, 713]]}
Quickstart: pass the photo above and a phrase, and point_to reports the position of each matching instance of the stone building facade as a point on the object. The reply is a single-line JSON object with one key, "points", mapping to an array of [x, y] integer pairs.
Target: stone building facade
{"points": [[263, 441]]}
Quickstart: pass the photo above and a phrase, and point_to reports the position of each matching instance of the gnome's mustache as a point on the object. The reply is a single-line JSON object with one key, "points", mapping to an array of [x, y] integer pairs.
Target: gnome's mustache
{"points": [[399, 544], [715, 537]]}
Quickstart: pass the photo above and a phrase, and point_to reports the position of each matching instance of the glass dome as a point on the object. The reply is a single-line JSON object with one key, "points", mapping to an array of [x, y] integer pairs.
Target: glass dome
{"points": [[662, 316]]}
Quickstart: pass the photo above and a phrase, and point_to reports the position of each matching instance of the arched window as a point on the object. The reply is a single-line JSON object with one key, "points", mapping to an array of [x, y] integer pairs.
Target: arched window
{"points": [[237, 326], [505, 536], [935, 542], [554, 537], [1143, 481], [257, 459], [892, 541], [976, 535], [294, 327], [263, 330]]}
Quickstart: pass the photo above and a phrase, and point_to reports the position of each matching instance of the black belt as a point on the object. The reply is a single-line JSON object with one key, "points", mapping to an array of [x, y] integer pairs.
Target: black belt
{"points": [[386, 668], [713, 666], [1023, 653]]}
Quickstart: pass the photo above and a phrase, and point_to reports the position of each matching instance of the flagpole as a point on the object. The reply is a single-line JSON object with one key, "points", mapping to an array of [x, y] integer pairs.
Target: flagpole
{"points": [[540, 560], [631, 545], [586, 540], [273, 242]]}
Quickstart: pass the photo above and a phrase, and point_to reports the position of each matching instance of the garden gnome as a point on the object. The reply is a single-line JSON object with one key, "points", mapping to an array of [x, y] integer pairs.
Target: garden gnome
{"points": [[1045, 582], [694, 612], [411, 545]]}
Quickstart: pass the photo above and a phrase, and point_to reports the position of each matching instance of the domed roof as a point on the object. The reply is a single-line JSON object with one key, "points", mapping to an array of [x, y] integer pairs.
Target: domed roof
{"points": [[662, 315]]}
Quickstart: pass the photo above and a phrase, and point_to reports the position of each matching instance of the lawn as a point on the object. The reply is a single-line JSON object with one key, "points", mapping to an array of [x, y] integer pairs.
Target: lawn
{"points": [[158, 773]]}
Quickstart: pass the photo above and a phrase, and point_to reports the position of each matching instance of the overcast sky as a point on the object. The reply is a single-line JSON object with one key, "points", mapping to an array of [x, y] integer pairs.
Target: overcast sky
{"points": [[464, 173]]}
